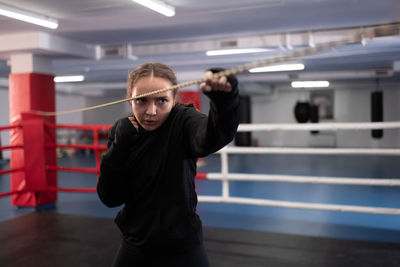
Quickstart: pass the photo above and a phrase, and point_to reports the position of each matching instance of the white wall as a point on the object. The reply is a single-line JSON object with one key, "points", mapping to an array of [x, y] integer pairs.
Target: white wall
{"points": [[278, 108], [68, 102], [4, 120], [351, 104], [105, 115]]}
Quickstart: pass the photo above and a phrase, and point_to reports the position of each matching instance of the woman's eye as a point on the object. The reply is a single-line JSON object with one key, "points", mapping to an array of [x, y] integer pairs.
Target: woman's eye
{"points": [[140, 100], [163, 100]]}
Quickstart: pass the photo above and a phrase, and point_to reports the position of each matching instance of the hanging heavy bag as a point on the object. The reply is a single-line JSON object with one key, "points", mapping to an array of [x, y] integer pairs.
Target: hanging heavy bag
{"points": [[377, 112], [314, 116], [244, 138], [302, 111]]}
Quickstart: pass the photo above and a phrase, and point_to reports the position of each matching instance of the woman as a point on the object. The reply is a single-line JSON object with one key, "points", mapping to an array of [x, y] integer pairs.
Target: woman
{"points": [[150, 166]]}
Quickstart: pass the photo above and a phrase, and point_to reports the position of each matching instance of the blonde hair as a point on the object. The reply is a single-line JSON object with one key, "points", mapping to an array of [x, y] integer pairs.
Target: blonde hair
{"points": [[156, 69]]}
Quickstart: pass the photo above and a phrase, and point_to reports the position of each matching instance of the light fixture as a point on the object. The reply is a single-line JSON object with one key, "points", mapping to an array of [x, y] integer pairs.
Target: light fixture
{"points": [[236, 51], [158, 6], [28, 17], [282, 67], [310, 84], [67, 79]]}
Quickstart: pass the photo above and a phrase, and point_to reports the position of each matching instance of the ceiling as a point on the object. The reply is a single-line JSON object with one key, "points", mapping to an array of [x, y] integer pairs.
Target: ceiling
{"points": [[142, 35]]}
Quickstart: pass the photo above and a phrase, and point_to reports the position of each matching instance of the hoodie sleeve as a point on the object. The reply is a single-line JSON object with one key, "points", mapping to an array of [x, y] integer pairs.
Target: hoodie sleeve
{"points": [[208, 134], [110, 184]]}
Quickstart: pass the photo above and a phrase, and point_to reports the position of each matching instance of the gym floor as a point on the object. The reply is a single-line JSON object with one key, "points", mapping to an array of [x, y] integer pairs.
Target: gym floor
{"points": [[80, 230]]}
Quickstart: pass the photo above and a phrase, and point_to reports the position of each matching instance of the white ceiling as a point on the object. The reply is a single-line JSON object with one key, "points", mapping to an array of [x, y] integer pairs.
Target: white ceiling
{"points": [[123, 22]]}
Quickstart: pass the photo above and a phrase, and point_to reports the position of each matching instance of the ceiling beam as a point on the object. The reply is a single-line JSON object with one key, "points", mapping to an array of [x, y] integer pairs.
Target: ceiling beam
{"points": [[42, 43]]}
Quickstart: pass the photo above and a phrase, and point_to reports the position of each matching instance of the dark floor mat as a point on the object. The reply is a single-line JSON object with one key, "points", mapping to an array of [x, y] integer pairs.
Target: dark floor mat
{"points": [[45, 238]]}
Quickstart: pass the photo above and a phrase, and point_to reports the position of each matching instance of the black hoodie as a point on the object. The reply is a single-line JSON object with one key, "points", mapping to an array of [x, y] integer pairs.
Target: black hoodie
{"points": [[153, 174]]}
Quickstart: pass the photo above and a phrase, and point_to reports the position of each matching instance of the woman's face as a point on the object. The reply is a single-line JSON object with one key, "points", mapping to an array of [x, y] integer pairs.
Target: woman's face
{"points": [[152, 111]]}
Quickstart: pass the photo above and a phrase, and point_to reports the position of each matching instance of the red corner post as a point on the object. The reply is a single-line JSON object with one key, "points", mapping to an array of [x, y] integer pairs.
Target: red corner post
{"points": [[32, 91]]}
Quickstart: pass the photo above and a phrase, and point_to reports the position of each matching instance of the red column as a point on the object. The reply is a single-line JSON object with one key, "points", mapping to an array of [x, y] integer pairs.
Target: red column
{"points": [[190, 97], [32, 91]]}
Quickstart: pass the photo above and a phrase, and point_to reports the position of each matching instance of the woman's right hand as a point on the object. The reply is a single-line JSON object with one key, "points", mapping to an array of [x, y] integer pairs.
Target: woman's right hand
{"points": [[134, 122]]}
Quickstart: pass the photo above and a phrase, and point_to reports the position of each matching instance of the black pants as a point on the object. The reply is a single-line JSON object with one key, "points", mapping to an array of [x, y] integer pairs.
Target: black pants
{"points": [[134, 256]]}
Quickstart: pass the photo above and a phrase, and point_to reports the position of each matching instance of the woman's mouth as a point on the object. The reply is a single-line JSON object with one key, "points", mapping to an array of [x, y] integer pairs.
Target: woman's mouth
{"points": [[150, 122]]}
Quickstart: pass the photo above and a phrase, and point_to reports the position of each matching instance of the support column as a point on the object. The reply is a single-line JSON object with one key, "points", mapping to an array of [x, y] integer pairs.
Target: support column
{"points": [[31, 88], [190, 97]]}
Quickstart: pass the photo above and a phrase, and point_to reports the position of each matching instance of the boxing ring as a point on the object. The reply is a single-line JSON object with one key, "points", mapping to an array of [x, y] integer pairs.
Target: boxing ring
{"points": [[226, 176]]}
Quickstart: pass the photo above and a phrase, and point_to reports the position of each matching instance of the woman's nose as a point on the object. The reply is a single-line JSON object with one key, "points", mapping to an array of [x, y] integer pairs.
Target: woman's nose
{"points": [[151, 109]]}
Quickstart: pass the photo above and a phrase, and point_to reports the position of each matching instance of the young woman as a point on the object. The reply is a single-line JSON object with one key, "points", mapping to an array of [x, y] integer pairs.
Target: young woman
{"points": [[150, 167]]}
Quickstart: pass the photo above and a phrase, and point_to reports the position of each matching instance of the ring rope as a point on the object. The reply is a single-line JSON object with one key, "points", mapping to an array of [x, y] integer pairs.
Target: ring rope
{"points": [[334, 126], [299, 205], [304, 179], [378, 31], [311, 151]]}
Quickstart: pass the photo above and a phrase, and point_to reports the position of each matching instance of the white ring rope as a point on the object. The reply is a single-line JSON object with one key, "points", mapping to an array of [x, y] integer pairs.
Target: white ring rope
{"points": [[312, 151], [303, 179], [317, 126], [299, 205]]}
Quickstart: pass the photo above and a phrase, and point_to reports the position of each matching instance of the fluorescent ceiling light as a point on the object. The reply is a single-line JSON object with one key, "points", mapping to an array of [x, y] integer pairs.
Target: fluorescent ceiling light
{"points": [[308, 84], [282, 67], [28, 17], [67, 79], [236, 51], [158, 6]]}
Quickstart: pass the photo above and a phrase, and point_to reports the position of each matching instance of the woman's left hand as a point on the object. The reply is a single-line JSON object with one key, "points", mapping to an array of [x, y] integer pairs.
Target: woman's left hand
{"points": [[215, 84]]}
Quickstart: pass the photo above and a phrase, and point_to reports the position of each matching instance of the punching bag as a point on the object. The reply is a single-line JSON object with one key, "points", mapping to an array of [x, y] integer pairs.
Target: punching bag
{"points": [[244, 138], [302, 111], [314, 116], [377, 112]]}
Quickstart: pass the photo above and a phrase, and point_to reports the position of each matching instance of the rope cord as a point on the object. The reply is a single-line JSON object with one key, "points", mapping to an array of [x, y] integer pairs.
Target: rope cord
{"points": [[378, 31]]}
